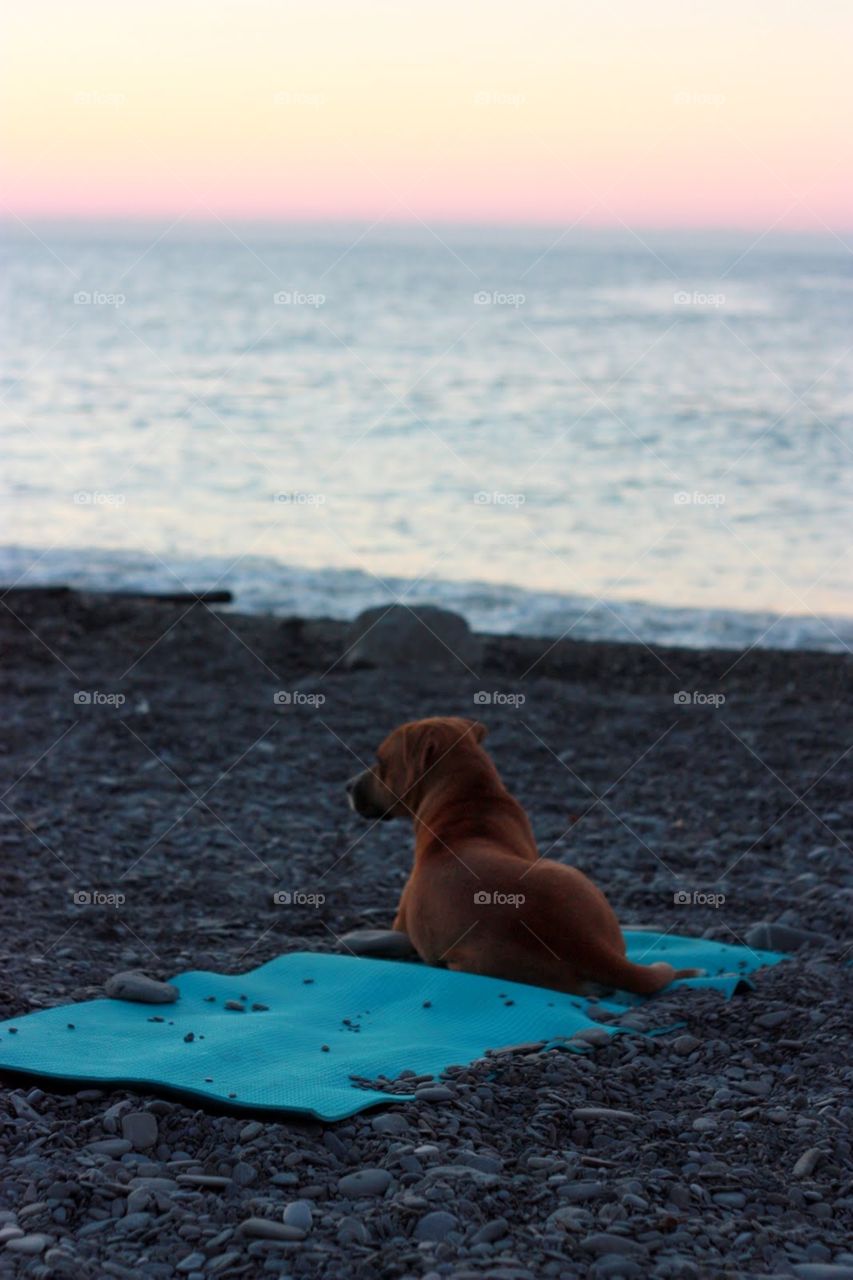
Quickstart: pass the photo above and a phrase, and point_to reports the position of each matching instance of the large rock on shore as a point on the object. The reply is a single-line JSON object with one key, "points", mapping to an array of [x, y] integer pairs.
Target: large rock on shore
{"points": [[421, 635]]}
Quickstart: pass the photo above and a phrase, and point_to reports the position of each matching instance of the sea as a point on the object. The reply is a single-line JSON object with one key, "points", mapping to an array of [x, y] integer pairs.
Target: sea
{"points": [[599, 433]]}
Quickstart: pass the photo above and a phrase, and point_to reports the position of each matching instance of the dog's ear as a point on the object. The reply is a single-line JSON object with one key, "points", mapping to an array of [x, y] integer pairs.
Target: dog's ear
{"points": [[476, 730], [429, 750]]}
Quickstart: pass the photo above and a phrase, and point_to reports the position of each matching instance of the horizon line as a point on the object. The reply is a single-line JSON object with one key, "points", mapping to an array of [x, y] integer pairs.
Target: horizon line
{"points": [[9, 216]]}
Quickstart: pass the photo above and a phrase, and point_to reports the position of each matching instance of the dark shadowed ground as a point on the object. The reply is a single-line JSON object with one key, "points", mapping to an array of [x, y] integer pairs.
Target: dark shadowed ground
{"points": [[200, 796]]}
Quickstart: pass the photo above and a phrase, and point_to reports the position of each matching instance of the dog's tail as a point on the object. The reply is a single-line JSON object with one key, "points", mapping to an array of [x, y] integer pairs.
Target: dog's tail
{"points": [[618, 971]]}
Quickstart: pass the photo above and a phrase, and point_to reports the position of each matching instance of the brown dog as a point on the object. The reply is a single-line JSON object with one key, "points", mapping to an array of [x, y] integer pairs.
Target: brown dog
{"points": [[480, 898]]}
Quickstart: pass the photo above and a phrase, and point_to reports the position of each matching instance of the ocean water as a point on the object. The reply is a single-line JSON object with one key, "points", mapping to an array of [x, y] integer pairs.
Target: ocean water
{"points": [[595, 433]]}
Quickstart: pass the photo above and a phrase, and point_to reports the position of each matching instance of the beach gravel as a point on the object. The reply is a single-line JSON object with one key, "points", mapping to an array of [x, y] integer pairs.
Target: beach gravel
{"points": [[721, 1149]]}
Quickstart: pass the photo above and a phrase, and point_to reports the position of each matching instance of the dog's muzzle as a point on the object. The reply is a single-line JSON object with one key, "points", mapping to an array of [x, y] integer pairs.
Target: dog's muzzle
{"points": [[360, 799]]}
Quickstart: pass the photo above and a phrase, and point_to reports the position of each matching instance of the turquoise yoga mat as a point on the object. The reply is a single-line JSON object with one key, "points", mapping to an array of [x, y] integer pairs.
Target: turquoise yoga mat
{"points": [[328, 1018]]}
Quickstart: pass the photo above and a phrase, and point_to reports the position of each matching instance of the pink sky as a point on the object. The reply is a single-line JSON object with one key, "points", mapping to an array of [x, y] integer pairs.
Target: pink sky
{"points": [[650, 115]]}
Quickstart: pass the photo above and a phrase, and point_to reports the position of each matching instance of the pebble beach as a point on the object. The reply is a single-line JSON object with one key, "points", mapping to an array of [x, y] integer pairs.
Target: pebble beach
{"points": [[174, 799]]}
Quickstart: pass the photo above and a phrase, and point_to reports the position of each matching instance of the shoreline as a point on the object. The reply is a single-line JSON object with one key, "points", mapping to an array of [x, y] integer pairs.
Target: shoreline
{"points": [[265, 587]]}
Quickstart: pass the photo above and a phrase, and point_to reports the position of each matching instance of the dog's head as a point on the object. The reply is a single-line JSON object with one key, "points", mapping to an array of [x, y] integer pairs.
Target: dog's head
{"points": [[411, 759]]}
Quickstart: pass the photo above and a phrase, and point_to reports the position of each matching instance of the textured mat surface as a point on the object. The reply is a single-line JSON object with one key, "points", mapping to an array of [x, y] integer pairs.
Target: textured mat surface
{"points": [[328, 1017]]}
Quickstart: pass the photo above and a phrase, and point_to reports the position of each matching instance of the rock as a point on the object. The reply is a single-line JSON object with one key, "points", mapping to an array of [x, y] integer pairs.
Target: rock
{"points": [[435, 1226], [140, 1129], [244, 1174], [730, 1199], [459, 1173], [235, 1006], [352, 1231], [154, 1183], [479, 1160], [769, 936], [389, 944], [593, 1035], [434, 1093], [390, 1122], [682, 1045], [36, 1243], [109, 1146], [206, 1181], [264, 1229], [578, 1192], [133, 1222], [22, 1108], [773, 1019], [823, 1271], [602, 1113], [139, 987], [364, 1182], [567, 1218], [603, 1242], [10, 1232], [223, 1260], [420, 635], [491, 1231], [298, 1214], [617, 1267], [807, 1163], [192, 1262]]}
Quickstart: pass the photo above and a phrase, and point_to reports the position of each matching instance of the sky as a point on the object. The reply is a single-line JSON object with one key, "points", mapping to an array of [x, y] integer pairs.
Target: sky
{"points": [[656, 113]]}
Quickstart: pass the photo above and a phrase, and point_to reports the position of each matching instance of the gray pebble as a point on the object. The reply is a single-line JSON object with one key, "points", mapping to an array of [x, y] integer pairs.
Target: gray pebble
{"points": [[807, 1163], [434, 1093], [387, 943], [770, 936], [298, 1214], [602, 1113], [614, 1266], [772, 1019], [685, 1044], [603, 1242], [264, 1229], [459, 1173], [109, 1146], [140, 1129], [192, 1262], [36, 1243], [133, 1222], [223, 1260], [207, 1181], [491, 1231], [593, 1035], [390, 1122], [435, 1226], [823, 1271], [140, 988], [479, 1160], [352, 1231], [364, 1182], [578, 1192]]}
